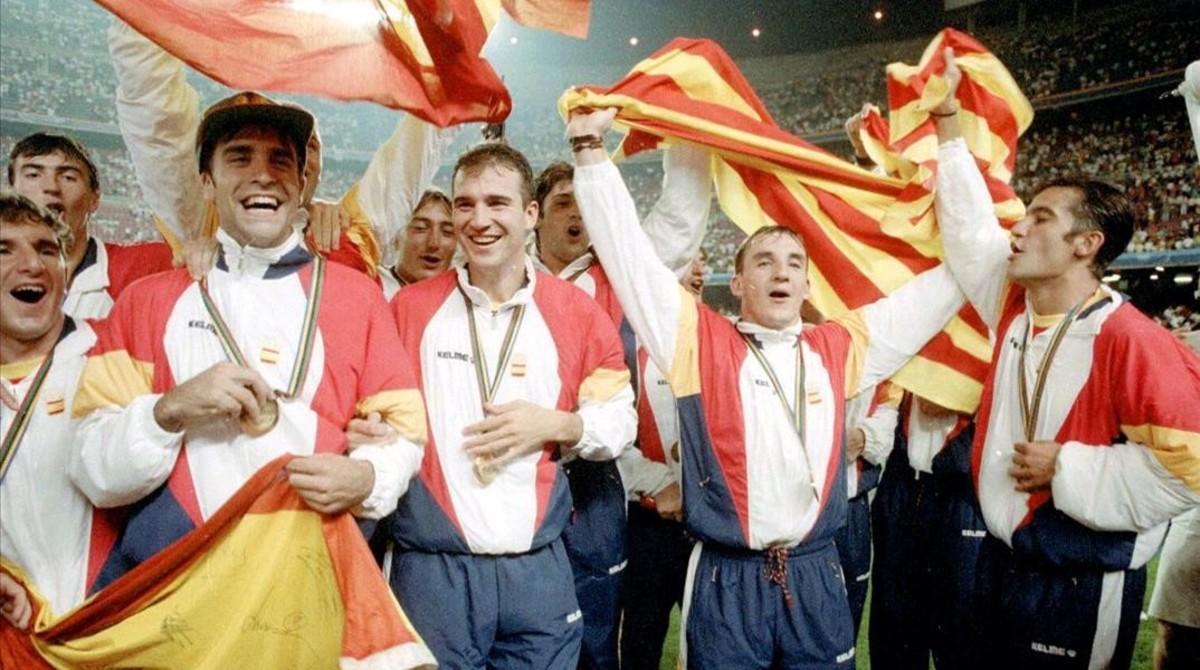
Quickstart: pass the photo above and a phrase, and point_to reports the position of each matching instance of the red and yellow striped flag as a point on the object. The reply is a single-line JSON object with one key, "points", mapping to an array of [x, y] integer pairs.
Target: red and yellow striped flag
{"points": [[866, 234], [422, 56], [266, 582]]}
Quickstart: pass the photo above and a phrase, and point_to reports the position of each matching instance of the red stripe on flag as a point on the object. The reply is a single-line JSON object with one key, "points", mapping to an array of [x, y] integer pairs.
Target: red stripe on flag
{"points": [[867, 231], [311, 47], [853, 286]]}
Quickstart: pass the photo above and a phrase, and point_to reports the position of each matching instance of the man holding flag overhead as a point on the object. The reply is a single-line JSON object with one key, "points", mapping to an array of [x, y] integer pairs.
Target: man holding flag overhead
{"points": [[1085, 446], [763, 470], [193, 386]]}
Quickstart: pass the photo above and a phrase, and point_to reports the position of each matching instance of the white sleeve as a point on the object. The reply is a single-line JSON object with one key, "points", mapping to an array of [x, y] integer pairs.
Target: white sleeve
{"points": [[122, 455], [880, 431], [399, 172], [609, 426], [679, 219], [642, 476], [158, 113], [977, 248], [1190, 89], [395, 465], [1121, 487], [899, 325], [648, 291]]}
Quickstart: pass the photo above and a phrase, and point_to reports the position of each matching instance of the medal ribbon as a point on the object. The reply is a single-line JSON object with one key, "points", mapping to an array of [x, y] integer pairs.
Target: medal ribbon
{"points": [[797, 413], [12, 437], [307, 331], [488, 387], [1030, 410]]}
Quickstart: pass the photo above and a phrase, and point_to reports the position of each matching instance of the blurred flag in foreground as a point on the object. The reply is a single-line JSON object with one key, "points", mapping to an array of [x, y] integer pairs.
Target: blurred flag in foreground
{"points": [[265, 583], [421, 56]]}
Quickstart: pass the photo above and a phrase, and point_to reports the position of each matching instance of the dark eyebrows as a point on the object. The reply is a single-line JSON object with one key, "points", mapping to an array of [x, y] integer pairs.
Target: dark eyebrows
{"points": [[235, 150], [283, 152]]}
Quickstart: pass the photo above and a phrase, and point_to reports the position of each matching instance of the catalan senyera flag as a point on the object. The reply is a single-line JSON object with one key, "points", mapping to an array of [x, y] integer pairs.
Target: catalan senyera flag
{"points": [[265, 583], [422, 56], [866, 233]]}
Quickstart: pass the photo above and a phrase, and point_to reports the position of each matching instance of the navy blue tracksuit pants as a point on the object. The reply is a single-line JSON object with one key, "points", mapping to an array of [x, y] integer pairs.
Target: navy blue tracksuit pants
{"points": [[928, 533], [738, 618], [1045, 617], [654, 579], [477, 611], [853, 542], [595, 543]]}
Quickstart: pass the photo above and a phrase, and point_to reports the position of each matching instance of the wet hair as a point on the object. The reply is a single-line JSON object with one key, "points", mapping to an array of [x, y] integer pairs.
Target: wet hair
{"points": [[1104, 207], [740, 257], [548, 178], [16, 208], [497, 154], [44, 144]]}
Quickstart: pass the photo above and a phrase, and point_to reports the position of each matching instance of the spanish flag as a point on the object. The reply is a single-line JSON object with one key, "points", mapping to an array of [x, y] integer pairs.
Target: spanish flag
{"points": [[866, 234], [421, 56], [265, 583]]}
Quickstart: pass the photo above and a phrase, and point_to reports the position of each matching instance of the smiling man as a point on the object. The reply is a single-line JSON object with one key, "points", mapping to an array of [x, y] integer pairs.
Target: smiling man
{"points": [[193, 386], [56, 172], [760, 408], [1088, 435], [519, 370], [46, 519], [427, 244]]}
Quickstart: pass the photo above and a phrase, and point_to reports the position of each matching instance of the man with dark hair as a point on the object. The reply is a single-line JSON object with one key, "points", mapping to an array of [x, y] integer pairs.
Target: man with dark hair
{"points": [[596, 536], [1088, 438], [760, 408], [56, 172], [520, 372], [426, 245], [46, 519], [158, 113], [195, 385]]}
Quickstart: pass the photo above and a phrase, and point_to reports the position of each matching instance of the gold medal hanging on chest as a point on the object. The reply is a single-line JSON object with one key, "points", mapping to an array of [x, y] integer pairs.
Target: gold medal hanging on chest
{"points": [[484, 467], [268, 409]]}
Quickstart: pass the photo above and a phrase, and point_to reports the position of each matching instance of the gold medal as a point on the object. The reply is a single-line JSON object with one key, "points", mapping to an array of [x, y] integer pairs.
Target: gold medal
{"points": [[268, 416], [485, 471], [268, 409], [484, 467]]}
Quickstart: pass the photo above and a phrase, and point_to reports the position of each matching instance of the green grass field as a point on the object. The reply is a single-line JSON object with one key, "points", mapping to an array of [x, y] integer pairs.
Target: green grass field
{"points": [[1141, 653]]}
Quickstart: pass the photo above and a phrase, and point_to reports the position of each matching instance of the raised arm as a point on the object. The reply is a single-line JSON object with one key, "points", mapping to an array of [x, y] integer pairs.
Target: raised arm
{"points": [[158, 113], [977, 248], [401, 169], [656, 305], [677, 223], [885, 334]]}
